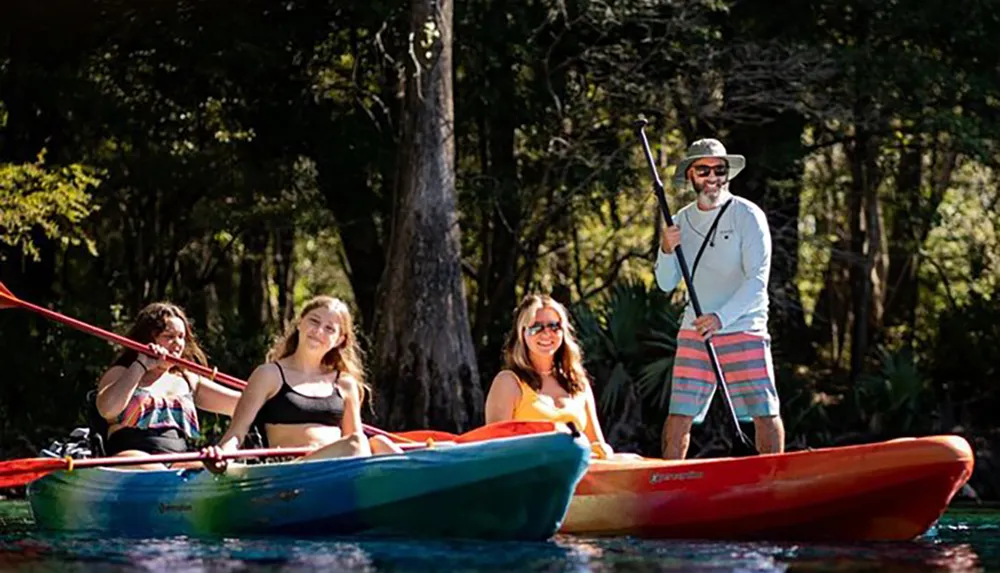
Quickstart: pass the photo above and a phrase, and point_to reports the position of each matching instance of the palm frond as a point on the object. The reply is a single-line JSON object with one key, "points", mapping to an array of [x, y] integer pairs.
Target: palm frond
{"points": [[627, 311], [654, 381], [614, 389]]}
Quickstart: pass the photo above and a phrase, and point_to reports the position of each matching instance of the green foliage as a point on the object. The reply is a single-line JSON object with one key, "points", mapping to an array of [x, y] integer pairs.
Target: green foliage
{"points": [[629, 338], [806, 412], [236, 348], [51, 200], [964, 363], [963, 249], [199, 153], [48, 370], [896, 400], [321, 268]]}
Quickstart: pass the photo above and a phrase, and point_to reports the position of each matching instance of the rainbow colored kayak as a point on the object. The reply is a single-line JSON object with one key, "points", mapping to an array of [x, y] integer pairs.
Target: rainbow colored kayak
{"points": [[509, 488], [886, 491]]}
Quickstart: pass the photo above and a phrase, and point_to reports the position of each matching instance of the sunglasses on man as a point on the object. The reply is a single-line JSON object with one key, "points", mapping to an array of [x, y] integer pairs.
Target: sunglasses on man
{"points": [[538, 327], [704, 170]]}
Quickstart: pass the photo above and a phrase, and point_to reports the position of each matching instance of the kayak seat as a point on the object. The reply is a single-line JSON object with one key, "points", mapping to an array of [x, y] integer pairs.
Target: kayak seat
{"points": [[97, 424], [256, 436]]}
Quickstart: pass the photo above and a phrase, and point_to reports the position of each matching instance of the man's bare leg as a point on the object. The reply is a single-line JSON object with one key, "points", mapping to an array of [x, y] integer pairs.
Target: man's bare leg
{"points": [[769, 434], [676, 437]]}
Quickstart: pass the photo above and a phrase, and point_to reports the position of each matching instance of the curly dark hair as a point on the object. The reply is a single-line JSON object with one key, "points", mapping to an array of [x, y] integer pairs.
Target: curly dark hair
{"points": [[150, 322]]}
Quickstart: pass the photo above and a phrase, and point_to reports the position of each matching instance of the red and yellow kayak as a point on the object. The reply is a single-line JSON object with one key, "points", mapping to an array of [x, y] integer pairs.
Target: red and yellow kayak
{"points": [[892, 490]]}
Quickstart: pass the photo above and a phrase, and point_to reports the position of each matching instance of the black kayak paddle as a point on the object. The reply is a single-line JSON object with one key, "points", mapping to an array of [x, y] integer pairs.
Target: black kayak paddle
{"points": [[742, 446]]}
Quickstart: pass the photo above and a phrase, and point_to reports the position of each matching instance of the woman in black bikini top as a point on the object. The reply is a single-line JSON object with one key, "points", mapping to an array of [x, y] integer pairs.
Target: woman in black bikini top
{"points": [[291, 407], [309, 392]]}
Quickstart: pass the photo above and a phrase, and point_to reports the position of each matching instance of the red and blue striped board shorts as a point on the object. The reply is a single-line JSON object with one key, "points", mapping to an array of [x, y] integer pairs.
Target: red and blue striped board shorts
{"points": [[746, 363]]}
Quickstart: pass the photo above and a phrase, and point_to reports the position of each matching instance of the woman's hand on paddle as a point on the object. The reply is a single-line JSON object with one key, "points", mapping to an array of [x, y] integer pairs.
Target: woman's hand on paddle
{"points": [[671, 238], [157, 365], [214, 461], [707, 324]]}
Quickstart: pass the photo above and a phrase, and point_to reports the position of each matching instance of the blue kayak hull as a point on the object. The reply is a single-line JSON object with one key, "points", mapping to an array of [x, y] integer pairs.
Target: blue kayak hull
{"points": [[510, 488]]}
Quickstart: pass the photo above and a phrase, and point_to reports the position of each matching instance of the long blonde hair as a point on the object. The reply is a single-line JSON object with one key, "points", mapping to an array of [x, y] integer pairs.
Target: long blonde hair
{"points": [[345, 358], [568, 363]]}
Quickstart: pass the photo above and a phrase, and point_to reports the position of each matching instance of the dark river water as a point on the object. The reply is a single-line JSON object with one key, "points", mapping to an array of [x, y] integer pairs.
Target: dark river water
{"points": [[963, 540]]}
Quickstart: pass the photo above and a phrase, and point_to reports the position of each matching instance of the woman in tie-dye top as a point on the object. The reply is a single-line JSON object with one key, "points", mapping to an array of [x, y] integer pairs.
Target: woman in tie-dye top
{"points": [[151, 405]]}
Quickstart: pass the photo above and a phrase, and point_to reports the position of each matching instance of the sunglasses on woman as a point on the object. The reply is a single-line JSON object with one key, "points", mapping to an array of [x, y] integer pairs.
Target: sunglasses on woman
{"points": [[538, 327], [704, 170]]}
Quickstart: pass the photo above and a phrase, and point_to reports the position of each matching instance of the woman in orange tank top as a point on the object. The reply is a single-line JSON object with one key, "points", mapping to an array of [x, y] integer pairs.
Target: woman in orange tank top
{"points": [[544, 378]]}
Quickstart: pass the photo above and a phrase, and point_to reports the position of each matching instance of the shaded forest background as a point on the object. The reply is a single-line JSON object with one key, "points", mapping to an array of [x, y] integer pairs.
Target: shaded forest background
{"points": [[431, 163]]}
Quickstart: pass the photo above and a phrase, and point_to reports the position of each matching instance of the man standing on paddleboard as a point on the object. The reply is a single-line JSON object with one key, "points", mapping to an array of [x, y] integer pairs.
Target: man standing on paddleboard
{"points": [[730, 274]]}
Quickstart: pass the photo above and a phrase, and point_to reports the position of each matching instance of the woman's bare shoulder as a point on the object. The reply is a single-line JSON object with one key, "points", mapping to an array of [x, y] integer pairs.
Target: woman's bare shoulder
{"points": [[267, 375], [507, 380], [348, 384], [110, 375]]}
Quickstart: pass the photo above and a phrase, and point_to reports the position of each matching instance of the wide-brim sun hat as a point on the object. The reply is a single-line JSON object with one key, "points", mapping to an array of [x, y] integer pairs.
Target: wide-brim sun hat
{"points": [[708, 148]]}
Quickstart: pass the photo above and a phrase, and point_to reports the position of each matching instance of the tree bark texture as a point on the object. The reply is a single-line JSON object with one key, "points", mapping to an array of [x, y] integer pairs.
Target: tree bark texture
{"points": [[357, 211], [425, 365], [772, 179], [497, 287], [252, 301], [284, 273], [912, 222]]}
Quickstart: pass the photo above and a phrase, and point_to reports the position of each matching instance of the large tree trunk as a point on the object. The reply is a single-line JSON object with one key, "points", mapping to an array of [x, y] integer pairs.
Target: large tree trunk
{"points": [[252, 302], [831, 316], [773, 180], [348, 182], [911, 223], [866, 248], [345, 183], [284, 274], [496, 297], [904, 253], [223, 290], [425, 365], [860, 285], [867, 266], [562, 266]]}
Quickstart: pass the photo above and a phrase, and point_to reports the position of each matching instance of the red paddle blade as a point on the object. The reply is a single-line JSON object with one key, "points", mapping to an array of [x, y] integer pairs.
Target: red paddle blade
{"points": [[492, 431], [424, 435], [7, 298], [507, 429], [25, 471]]}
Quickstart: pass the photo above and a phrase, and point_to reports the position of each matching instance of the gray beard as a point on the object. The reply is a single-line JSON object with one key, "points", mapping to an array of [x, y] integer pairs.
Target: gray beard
{"points": [[709, 202]]}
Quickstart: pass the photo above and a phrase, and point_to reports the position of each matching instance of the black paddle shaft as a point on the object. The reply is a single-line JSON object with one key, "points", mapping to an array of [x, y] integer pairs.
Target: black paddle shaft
{"points": [[742, 444]]}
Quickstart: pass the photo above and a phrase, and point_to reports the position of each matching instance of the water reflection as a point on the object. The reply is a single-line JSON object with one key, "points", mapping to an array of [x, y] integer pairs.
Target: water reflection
{"points": [[961, 546], [178, 554], [886, 557], [628, 555], [301, 555]]}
